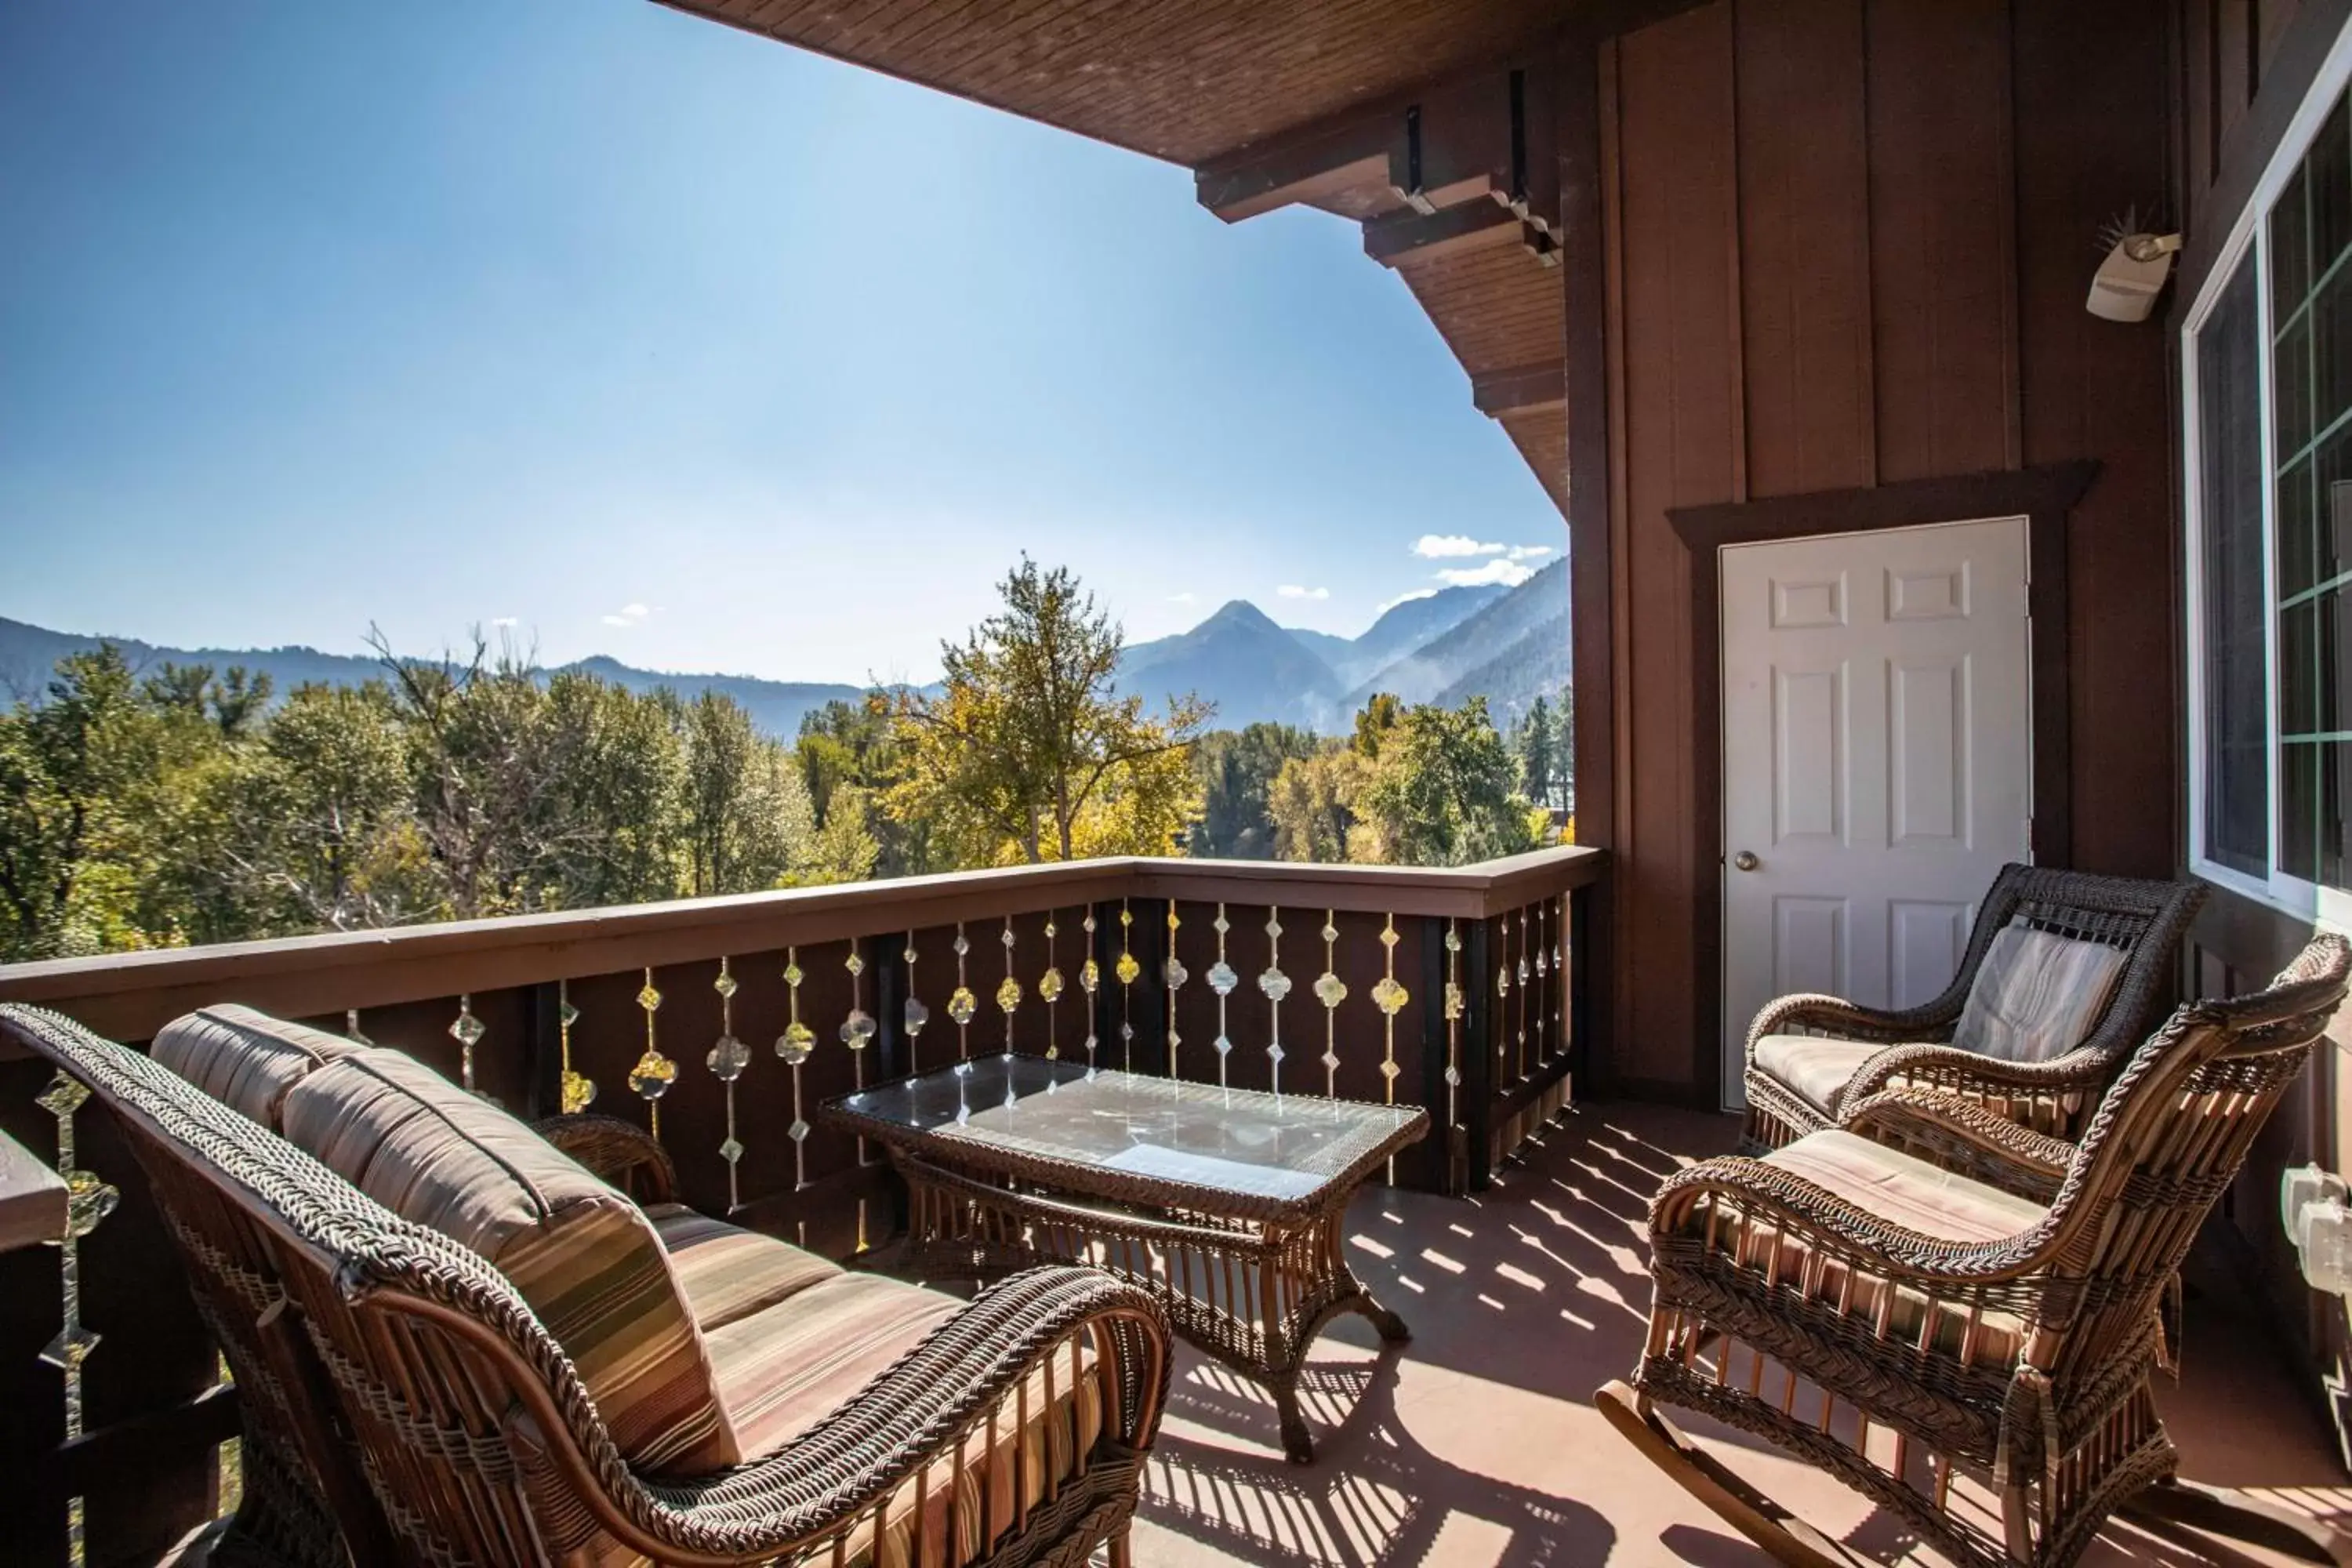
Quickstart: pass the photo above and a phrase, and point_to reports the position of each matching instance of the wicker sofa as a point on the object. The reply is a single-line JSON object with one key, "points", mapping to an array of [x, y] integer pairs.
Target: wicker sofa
{"points": [[453, 1342]]}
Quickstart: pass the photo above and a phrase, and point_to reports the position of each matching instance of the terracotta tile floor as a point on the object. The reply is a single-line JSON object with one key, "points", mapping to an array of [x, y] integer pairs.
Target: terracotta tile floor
{"points": [[1478, 1446]]}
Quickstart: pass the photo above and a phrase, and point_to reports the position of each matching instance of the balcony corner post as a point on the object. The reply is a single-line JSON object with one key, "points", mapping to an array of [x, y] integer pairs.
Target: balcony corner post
{"points": [[1477, 1059], [1444, 1164]]}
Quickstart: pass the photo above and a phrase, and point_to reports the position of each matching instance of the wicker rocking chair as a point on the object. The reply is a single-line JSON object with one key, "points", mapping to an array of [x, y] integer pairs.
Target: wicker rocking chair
{"points": [[1810, 1056], [404, 1406], [1918, 1323]]}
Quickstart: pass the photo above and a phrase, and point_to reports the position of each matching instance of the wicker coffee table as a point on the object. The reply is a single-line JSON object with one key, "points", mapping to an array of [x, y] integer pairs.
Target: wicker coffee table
{"points": [[1229, 1205]]}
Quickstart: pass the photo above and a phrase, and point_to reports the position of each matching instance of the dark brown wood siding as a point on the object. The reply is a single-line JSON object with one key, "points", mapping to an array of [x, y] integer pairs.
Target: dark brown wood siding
{"points": [[1849, 245]]}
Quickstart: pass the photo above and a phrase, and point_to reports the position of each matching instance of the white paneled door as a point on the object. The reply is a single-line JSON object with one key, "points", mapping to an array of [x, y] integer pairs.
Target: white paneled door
{"points": [[1877, 758]]}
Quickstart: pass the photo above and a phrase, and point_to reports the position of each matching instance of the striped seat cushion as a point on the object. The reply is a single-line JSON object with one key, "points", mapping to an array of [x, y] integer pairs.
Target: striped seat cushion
{"points": [[246, 1059], [728, 1273], [588, 1262], [783, 1370], [1816, 1068], [1903, 1191], [2037, 994]]}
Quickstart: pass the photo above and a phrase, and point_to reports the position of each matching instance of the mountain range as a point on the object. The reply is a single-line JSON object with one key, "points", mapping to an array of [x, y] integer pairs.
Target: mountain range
{"points": [[1508, 644]]}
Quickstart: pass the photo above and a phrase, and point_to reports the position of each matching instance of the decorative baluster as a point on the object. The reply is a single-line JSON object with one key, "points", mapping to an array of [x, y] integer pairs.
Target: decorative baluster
{"points": [[1175, 973], [1453, 1022], [352, 1027], [1389, 997], [1560, 972], [575, 1092], [1526, 991], [1049, 987], [1277, 985], [729, 1058], [1502, 997], [915, 1014], [466, 1031], [1222, 980], [1090, 981], [795, 1045], [1128, 969], [654, 1072], [962, 1003], [1008, 993], [88, 1202], [857, 1032], [1330, 990]]}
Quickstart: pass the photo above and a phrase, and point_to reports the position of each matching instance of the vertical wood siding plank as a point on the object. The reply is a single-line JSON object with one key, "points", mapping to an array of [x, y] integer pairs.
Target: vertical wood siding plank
{"points": [[1941, 236], [1804, 230]]}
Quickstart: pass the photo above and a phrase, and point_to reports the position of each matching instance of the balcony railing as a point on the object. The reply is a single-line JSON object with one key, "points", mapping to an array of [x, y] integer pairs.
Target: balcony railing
{"points": [[721, 1022]]}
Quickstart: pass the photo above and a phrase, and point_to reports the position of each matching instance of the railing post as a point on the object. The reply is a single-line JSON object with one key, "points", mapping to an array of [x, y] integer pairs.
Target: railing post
{"points": [[1477, 1058], [1579, 1012], [885, 959], [1441, 1164], [1150, 1004], [543, 1067]]}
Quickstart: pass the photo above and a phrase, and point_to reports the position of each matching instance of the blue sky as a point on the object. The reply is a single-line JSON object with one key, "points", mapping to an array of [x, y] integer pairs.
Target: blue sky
{"points": [[663, 341]]}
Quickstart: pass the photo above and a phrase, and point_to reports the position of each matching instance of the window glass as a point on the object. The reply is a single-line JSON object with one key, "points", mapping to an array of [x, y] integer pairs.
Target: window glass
{"points": [[2228, 370]]}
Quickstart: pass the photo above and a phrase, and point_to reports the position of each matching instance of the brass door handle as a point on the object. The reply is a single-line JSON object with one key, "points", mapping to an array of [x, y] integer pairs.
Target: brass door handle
{"points": [[1746, 860]]}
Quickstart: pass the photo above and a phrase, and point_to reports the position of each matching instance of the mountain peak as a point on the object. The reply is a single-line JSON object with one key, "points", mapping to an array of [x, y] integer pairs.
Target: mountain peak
{"points": [[1238, 613]]}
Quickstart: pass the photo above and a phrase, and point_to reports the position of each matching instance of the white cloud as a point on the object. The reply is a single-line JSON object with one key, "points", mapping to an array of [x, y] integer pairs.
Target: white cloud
{"points": [[505, 621], [1407, 598], [1439, 546], [1530, 552], [1293, 590], [1186, 598], [631, 615], [635, 612], [618, 621], [1510, 573]]}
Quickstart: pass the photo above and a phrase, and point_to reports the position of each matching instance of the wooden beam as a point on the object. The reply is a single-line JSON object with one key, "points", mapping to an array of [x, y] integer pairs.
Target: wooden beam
{"points": [[1411, 237], [1307, 169], [1521, 387]]}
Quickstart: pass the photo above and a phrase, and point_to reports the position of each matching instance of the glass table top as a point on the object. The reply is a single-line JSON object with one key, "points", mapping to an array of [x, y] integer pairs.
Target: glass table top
{"points": [[1281, 1147]]}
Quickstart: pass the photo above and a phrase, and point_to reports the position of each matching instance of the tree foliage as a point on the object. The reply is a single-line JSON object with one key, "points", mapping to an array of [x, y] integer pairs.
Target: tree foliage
{"points": [[1027, 751]]}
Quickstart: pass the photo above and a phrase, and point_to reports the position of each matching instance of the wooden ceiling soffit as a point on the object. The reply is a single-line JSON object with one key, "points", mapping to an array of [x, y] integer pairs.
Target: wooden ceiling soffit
{"points": [[1484, 136], [1520, 389]]}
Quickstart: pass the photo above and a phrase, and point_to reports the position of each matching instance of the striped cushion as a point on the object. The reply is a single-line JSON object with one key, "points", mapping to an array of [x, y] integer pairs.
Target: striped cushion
{"points": [[728, 1273], [1814, 1067], [2037, 994], [579, 1253], [1906, 1192], [246, 1059], [781, 1371]]}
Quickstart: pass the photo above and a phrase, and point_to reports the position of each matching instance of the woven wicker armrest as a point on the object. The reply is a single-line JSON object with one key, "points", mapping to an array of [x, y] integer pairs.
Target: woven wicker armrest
{"points": [[914, 1415], [1767, 1194], [1950, 1066], [618, 1152], [1807, 1013], [1960, 1135]]}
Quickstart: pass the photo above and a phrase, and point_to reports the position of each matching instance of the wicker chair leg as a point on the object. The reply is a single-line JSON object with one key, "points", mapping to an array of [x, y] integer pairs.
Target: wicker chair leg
{"points": [[2235, 1516], [1789, 1539], [1122, 1548]]}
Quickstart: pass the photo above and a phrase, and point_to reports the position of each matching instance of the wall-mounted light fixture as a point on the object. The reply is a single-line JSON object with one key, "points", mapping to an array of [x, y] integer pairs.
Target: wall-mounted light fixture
{"points": [[2128, 282], [2313, 1205]]}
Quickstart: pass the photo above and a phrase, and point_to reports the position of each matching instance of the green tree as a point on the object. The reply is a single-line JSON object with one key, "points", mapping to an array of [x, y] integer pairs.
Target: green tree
{"points": [[1312, 803], [1236, 770], [83, 813], [1379, 715], [1442, 791], [1537, 743], [1027, 735], [610, 825]]}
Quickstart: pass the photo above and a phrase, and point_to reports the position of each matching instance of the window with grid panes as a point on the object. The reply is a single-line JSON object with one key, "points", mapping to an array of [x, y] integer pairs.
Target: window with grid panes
{"points": [[2270, 435]]}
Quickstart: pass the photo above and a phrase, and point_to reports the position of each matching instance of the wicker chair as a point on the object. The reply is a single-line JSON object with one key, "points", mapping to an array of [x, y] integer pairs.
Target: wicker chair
{"points": [[402, 1403], [1790, 1095], [2003, 1327]]}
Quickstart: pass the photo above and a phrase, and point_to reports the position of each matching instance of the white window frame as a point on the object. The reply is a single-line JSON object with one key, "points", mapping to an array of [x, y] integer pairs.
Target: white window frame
{"points": [[2249, 236]]}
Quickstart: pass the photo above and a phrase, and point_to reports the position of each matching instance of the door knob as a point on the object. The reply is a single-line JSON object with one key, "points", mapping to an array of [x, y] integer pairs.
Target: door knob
{"points": [[1746, 860]]}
